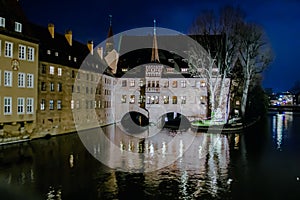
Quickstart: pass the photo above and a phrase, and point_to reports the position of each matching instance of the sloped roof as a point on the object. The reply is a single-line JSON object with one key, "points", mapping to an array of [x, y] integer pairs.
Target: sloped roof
{"points": [[12, 11]]}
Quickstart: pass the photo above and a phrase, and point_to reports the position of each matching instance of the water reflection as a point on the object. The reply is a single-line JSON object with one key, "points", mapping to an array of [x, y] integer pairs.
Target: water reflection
{"points": [[210, 166], [280, 125]]}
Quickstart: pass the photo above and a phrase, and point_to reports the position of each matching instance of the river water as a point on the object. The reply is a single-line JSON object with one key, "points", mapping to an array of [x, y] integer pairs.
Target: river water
{"points": [[260, 163]]}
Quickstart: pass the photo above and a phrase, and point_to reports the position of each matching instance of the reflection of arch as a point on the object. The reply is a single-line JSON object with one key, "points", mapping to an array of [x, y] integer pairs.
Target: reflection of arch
{"points": [[174, 120], [134, 121]]}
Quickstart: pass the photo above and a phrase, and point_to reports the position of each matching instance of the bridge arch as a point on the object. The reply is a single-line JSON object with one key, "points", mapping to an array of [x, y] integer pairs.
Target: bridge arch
{"points": [[173, 120], [134, 122]]}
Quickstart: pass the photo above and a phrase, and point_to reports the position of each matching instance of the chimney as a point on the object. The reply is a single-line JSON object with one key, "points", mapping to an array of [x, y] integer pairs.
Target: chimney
{"points": [[68, 36], [90, 45], [100, 52], [51, 29]]}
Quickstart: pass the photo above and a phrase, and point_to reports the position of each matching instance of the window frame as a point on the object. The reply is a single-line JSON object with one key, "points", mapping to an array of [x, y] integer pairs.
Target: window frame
{"points": [[29, 105], [8, 106], [20, 106]]}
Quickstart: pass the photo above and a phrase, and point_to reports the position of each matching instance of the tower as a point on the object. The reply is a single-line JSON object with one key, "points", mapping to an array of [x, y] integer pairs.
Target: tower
{"points": [[109, 45], [154, 56]]}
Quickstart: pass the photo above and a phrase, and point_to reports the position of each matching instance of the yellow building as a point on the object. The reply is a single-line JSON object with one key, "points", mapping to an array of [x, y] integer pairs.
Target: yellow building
{"points": [[18, 73]]}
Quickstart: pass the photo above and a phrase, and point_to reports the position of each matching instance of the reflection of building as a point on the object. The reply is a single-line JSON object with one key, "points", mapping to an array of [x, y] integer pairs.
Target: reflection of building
{"points": [[18, 72]]}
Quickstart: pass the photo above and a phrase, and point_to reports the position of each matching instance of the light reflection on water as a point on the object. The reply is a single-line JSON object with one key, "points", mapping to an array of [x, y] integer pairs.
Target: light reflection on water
{"points": [[214, 166]]}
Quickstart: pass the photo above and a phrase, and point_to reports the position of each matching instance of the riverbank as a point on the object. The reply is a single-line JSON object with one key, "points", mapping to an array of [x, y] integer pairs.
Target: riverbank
{"points": [[224, 128]]}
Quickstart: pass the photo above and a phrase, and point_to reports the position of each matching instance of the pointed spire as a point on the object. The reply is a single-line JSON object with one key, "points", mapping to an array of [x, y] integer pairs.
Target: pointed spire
{"points": [[109, 45], [154, 56]]}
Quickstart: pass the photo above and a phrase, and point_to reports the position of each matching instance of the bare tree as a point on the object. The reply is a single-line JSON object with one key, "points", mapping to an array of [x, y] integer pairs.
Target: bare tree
{"points": [[218, 37], [255, 54]]}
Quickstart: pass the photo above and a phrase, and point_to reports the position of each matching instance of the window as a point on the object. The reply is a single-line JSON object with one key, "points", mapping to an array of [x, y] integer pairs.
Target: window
{"points": [[30, 54], [132, 83], [30, 80], [132, 99], [51, 86], [183, 100], [18, 27], [2, 22], [59, 71], [73, 74], [21, 79], [7, 78], [123, 99], [29, 109], [183, 83], [166, 99], [8, 49], [59, 87], [174, 84], [51, 104], [87, 77], [72, 104], [70, 58], [202, 84], [86, 90], [75, 59], [78, 89], [124, 83], [174, 99], [43, 69], [7, 105], [43, 104], [51, 70], [166, 84], [58, 104], [21, 105], [77, 104], [22, 52], [43, 86], [48, 52], [56, 54]]}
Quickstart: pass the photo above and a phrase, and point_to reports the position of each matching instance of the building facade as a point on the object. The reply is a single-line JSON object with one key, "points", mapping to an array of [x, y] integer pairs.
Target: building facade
{"points": [[18, 73]]}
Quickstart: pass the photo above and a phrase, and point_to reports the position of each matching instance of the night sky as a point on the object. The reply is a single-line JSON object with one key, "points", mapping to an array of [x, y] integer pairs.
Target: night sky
{"points": [[89, 20]]}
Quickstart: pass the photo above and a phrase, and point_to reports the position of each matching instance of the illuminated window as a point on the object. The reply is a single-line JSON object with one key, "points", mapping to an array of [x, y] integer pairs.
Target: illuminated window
{"points": [[43, 104], [174, 99], [174, 84], [59, 71], [58, 105], [72, 104], [59, 87], [51, 70], [166, 99], [132, 83], [51, 104], [123, 99], [202, 84], [18, 27], [2, 22], [51, 86], [132, 99]]}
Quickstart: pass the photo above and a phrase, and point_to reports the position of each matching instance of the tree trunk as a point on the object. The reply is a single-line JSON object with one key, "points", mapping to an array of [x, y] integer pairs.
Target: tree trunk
{"points": [[244, 97]]}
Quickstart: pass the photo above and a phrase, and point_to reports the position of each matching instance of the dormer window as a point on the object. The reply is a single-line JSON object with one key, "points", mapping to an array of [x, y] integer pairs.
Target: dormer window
{"points": [[18, 27], [2, 22]]}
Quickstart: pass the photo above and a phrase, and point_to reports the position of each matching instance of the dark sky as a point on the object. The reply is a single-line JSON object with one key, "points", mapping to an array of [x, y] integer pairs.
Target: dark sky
{"points": [[88, 20]]}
